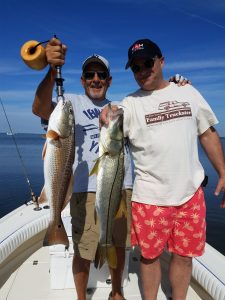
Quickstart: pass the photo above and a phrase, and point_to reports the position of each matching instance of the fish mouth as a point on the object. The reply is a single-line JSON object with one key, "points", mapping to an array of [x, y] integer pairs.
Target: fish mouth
{"points": [[118, 112]]}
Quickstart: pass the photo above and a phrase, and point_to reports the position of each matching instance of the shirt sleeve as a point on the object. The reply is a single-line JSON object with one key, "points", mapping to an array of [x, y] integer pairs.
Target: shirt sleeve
{"points": [[126, 116], [205, 116]]}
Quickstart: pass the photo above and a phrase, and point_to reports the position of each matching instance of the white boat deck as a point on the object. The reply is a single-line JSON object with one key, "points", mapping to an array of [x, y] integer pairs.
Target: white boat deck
{"points": [[28, 272], [32, 281]]}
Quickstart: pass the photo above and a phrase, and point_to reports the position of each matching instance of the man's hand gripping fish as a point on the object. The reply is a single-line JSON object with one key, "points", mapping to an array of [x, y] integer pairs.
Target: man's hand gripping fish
{"points": [[58, 155], [110, 174]]}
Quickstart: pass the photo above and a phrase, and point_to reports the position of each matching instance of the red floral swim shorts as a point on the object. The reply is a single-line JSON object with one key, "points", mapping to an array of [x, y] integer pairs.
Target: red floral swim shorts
{"points": [[181, 228]]}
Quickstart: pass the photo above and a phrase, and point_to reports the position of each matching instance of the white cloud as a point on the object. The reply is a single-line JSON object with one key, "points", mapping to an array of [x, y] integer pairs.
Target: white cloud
{"points": [[12, 96], [21, 119]]}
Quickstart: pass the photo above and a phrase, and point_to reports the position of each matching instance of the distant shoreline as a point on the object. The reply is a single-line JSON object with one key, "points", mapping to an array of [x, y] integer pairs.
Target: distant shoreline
{"points": [[20, 133]]}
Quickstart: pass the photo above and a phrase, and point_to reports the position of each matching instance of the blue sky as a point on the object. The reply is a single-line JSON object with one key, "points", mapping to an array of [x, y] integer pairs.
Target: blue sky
{"points": [[190, 33]]}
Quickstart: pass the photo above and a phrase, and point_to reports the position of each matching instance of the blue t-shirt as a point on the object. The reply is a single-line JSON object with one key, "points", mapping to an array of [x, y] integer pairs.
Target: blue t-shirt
{"points": [[87, 143]]}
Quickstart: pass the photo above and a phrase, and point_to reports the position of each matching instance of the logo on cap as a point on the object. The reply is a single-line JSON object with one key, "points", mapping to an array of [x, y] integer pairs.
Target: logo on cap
{"points": [[137, 47]]}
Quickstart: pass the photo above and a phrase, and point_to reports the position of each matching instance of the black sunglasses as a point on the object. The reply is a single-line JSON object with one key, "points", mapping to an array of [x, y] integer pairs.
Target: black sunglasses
{"points": [[148, 65], [90, 75]]}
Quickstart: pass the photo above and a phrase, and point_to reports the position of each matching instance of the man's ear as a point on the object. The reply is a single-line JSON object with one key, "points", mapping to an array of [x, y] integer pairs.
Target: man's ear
{"points": [[162, 61], [110, 80], [82, 80]]}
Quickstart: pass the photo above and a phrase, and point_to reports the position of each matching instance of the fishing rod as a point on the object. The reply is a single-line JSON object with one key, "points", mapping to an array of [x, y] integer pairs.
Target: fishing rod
{"points": [[34, 198], [34, 55], [59, 82]]}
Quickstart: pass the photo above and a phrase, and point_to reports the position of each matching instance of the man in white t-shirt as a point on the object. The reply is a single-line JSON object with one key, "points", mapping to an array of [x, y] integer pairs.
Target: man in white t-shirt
{"points": [[163, 123], [95, 79]]}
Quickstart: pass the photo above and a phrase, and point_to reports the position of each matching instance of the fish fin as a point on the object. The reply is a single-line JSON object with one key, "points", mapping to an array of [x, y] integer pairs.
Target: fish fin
{"points": [[44, 150], [104, 253], [69, 192], [100, 256], [122, 211], [111, 256], [56, 234], [52, 135], [97, 256], [95, 169], [42, 198]]}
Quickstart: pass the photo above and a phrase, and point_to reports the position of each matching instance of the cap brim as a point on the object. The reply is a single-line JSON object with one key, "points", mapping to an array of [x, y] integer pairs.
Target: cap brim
{"points": [[137, 56], [127, 64], [94, 60]]}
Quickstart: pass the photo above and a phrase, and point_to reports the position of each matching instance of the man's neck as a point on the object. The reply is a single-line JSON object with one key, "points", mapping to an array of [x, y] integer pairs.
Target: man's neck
{"points": [[161, 85]]}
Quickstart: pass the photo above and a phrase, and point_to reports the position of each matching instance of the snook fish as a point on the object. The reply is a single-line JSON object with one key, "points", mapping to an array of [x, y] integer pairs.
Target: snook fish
{"points": [[110, 173], [58, 157]]}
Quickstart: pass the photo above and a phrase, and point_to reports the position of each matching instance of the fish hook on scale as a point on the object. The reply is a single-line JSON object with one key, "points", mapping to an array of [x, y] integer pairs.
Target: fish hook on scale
{"points": [[59, 82]]}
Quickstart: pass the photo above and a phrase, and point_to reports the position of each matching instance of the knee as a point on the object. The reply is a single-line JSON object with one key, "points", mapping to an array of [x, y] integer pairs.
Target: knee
{"points": [[148, 261], [80, 265], [182, 260]]}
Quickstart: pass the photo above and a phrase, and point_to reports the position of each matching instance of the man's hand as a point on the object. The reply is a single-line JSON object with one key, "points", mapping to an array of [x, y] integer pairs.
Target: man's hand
{"points": [[212, 145], [221, 188], [179, 80], [103, 118], [55, 52]]}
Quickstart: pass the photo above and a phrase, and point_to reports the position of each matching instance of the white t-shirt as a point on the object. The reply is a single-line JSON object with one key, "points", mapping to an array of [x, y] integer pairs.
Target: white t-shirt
{"points": [[86, 143], [163, 128]]}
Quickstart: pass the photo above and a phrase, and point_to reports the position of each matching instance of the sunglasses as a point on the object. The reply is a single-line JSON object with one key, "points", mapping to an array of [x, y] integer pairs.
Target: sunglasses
{"points": [[148, 65], [90, 75]]}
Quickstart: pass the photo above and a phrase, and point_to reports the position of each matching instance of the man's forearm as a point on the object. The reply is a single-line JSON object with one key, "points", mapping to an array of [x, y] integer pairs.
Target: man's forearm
{"points": [[42, 104], [212, 145]]}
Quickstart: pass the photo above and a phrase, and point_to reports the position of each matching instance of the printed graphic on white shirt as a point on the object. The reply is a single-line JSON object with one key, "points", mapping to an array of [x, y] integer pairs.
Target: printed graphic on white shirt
{"points": [[169, 110]]}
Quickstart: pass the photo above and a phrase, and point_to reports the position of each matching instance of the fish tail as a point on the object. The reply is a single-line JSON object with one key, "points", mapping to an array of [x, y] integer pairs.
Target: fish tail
{"points": [[56, 234], [100, 256], [106, 253], [111, 257]]}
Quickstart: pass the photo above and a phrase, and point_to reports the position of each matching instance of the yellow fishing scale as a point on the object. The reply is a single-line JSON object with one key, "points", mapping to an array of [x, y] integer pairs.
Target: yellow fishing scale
{"points": [[33, 54]]}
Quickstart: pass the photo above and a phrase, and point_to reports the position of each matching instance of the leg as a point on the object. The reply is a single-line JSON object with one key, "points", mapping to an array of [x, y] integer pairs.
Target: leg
{"points": [[180, 274], [121, 239], [81, 268], [117, 274], [151, 227], [150, 276], [82, 207], [188, 236]]}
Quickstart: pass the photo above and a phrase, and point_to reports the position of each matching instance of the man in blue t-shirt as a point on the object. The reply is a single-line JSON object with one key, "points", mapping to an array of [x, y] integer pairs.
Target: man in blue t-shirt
{"points": [[96, 80]]}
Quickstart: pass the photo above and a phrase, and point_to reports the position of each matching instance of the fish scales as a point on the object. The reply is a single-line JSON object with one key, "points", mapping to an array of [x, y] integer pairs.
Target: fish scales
{"points": [[110, 175], [57, 172], [110, 180], [58, 162]]}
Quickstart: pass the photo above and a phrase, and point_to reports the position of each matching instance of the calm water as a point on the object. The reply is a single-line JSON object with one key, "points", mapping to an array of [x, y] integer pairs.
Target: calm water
{"points": [[14, 190]]}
